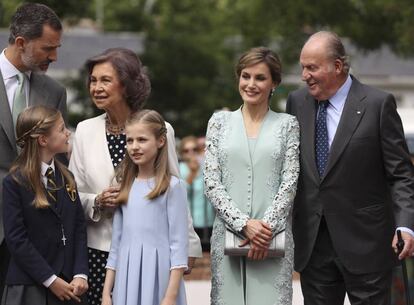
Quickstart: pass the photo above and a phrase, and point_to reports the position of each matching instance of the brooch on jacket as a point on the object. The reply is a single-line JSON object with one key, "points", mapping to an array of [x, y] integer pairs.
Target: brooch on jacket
{"points": [[71, 192]]}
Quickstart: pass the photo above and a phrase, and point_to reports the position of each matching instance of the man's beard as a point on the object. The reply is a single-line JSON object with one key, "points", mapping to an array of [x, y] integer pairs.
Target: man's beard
{"points": [[31, 64]]}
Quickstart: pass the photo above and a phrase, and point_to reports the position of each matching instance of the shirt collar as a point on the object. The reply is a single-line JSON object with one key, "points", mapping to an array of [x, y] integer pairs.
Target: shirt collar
{"points": [[45, 166], [338, 99], [8, 70]]}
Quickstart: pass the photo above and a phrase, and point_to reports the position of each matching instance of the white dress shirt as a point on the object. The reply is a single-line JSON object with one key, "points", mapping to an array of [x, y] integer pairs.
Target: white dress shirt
{"points": [[9, 73], [335, 108]]}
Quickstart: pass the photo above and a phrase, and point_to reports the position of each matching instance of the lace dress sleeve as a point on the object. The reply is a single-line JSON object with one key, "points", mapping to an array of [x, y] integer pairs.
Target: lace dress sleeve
{"points": [[213, 185], [278, 211]]}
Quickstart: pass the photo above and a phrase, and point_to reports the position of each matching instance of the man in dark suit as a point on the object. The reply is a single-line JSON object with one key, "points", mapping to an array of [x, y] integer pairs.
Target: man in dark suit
{"points": [[356, 185], [35, 33]]}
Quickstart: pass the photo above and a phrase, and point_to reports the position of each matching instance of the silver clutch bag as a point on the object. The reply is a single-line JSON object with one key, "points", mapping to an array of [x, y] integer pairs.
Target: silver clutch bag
{"points": [[233, 240]]}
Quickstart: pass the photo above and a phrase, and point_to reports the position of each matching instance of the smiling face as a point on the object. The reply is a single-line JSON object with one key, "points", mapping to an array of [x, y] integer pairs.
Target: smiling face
{"points": [[255, 84], [322, 74], [142, 145], [38, 53], [57, 141], [105, 88]]}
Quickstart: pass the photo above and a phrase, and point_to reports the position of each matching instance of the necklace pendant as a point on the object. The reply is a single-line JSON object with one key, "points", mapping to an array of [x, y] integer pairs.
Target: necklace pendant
{"points": [[63, 236]]}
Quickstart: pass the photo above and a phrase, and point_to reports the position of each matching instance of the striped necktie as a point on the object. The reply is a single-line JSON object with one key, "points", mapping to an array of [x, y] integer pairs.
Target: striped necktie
{"points": [[19, 102], [51, 184], [321, 138]]}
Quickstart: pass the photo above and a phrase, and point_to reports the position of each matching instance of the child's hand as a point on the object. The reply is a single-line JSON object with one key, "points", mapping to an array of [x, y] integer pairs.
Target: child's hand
{"points": [[63, 290], [106, 299], [80, 286], [168, 301], [190, 264]]}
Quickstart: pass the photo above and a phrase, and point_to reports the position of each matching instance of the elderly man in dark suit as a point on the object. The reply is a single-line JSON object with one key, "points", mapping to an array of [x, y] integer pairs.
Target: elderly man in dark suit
{"points": [[356, 185], [35, 33]]}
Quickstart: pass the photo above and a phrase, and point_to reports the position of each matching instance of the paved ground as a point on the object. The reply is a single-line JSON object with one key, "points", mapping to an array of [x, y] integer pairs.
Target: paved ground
{"points": [[198, 284], [198, 293]]}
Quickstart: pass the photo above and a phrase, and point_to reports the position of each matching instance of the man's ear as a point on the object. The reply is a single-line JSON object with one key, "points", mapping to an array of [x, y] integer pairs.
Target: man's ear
{"points": [[20, 43], [339, 66]]}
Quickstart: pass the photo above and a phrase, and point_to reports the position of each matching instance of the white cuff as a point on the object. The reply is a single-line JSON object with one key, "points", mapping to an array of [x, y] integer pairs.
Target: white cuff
{"points": [[405, 229], [49, 281], [185, 267], [82, 276]]}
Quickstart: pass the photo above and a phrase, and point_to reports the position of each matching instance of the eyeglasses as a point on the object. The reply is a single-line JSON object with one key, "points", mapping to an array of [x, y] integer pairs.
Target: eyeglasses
{"points": [[187, 150]]}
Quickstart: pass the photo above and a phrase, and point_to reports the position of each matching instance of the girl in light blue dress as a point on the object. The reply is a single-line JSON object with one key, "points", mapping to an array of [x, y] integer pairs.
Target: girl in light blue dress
{"points": [[149, 246]]}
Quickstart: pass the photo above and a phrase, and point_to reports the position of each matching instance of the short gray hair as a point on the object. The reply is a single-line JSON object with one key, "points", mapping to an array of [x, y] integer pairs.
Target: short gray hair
{"points": [[335, 48]]}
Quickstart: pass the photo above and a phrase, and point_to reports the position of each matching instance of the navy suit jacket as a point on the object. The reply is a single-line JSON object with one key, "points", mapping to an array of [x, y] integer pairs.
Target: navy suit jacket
{"points": [[43, 91], [34, 236]]}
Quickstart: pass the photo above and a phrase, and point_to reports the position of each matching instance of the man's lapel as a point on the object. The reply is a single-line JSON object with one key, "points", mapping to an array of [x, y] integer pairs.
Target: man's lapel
{"points": [[308, 113], [38, 93], [6, 119], [352, 114]]}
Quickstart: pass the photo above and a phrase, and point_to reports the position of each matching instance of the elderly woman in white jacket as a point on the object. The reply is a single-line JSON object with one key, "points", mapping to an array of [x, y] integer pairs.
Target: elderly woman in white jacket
{"points": [[117, 85]]}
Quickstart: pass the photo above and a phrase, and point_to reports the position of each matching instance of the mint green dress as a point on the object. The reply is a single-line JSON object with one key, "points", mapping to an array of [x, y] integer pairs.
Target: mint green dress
{"points": [[258, 183]]}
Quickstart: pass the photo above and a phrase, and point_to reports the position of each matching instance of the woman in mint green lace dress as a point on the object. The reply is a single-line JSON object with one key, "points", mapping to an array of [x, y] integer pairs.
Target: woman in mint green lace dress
{"points": [[250, 175]]}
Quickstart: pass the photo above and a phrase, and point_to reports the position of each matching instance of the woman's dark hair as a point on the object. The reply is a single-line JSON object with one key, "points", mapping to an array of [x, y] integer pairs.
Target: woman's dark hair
{"points": [[258, 55], [131, 74]]}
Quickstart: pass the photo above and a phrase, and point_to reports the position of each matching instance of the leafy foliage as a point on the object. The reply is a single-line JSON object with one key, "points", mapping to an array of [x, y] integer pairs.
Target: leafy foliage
{"points": [[192, 46]]}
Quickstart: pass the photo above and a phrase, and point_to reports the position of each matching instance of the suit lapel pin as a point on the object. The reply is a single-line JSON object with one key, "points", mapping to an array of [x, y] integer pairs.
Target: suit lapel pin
{"points": [[358, 112], [71, 192]]}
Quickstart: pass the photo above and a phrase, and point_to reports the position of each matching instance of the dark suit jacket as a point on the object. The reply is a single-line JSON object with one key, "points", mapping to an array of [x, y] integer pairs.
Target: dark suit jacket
{"points": [[34, 236], [368, 186], [43, 90]]}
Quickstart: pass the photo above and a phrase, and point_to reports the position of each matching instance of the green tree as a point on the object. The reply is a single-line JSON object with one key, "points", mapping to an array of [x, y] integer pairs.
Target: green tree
{"points": [[69, 10], [190, 65], [192, 46], [126, 15]]}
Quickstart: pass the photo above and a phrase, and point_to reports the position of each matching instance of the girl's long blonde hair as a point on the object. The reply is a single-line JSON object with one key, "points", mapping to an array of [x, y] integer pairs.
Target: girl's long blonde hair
{"points": [[128, 171], [32, 123]]}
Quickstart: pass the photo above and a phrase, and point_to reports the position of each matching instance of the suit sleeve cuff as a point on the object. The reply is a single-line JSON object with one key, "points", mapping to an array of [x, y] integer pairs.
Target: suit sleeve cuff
{"points": [[408, 230], [49, 281]]}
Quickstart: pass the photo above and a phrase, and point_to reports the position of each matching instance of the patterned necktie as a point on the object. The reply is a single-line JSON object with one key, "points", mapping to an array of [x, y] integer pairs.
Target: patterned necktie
{"points": [[51, 184], [19, 102], [52, 193], [321, 138]]}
